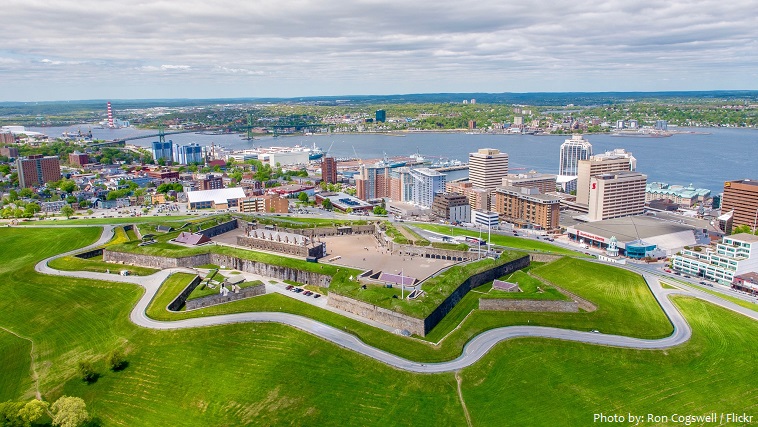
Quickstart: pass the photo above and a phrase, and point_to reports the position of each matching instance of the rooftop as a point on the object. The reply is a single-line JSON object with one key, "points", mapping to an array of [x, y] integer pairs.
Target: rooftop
{"points": [[219, 196], [745, 237]]}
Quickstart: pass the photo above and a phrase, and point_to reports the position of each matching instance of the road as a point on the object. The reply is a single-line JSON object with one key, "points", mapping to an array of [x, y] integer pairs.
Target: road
{"points": [[473, 351]]}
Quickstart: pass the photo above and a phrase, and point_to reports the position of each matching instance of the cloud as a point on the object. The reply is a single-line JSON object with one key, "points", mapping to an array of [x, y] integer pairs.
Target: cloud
{"points": [[290, 48]]}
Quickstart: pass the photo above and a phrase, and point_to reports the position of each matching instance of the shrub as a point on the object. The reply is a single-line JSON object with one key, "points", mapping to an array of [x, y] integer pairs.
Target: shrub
{"points": [[117, 360], [87, 371]]}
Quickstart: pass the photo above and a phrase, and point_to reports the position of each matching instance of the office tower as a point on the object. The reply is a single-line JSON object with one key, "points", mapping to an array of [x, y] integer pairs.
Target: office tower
{"points": [[487, 168], [163, 150], [617, 194], [741, 196], [573, 150], [608, 162], [381, 116]]}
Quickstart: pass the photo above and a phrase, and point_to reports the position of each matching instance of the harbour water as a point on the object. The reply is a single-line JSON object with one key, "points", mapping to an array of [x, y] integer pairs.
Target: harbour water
{"points": [[705, 159]]}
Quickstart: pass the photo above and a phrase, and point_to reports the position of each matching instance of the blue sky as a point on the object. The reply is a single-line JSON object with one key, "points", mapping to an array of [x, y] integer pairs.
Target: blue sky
{"points": [[87, 49]]}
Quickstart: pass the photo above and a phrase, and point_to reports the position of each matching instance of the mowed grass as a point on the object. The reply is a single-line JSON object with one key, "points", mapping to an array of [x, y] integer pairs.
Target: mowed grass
{"points": [[15, 362], [96, 264], [502, 240], [551, 382], [127, 220], [625, 305], [262, 374]]}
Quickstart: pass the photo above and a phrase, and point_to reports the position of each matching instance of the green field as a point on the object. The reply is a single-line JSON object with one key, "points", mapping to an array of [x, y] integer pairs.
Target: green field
{"points": [[501, 240], [102, 221], [15, 361], [711, 373], [269, 374]]}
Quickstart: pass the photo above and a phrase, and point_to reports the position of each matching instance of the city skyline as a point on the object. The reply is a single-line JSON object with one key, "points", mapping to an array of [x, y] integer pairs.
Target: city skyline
{"points": [[89, 50]]}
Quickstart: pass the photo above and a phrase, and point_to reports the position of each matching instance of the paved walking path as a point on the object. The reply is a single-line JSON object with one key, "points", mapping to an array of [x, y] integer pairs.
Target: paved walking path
{"points": [[474, 350]]}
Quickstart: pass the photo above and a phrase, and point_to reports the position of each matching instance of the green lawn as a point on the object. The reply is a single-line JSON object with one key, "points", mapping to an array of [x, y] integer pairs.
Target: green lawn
{"points": [[96, 264], [550, 382], [102, 221], [269, 374], [747, 304], [15, 377], [501, 240]]}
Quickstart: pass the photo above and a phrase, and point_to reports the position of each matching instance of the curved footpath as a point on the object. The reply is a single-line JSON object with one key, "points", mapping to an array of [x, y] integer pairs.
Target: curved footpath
{"points": [[474, 350]]}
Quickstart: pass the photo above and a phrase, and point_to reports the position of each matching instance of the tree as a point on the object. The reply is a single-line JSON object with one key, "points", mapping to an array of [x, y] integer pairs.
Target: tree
{"points": [[327, 204], [25, 192], [67, 211], [87, 371], [69, 412], [379, 210], [303, 197], [117, 360], [33, 411], [67, 186], [162, 161], [31, 209]]}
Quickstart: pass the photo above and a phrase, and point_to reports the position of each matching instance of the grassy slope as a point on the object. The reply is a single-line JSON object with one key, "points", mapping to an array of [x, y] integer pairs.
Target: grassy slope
{"points": [[528, 286], [72, 263], [619, 295], [15, 378], [501, 240], [127, 220], [711, 373]]}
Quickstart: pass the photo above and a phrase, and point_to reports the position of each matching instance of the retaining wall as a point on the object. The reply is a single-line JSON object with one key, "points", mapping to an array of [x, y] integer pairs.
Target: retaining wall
{"points": [[209, 300], [537, 257], [178, 302], [222, 228], [154, 261], [275, 271], [528, 305], [90, 254], [268, 270], [379, 314], [472, 282]]}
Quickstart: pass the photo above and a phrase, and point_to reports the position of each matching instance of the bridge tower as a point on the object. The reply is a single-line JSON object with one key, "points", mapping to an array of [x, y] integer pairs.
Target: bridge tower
{"points": [[161, 134]]}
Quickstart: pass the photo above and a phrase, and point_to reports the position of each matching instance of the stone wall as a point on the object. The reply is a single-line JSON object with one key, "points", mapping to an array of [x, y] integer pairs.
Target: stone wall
{"points": [[222, 228], [379, 314], [154, 261], [328, 231], [268, 270], [430, 252], [178, 302], [250, 291], [90, 254], [311, 249], [275, 271], [478, 279], [537, 257], [528, 305]]}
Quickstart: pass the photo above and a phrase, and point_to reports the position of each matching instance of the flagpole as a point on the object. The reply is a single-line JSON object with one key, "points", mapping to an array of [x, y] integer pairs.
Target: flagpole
{"points": [[402, 295]]}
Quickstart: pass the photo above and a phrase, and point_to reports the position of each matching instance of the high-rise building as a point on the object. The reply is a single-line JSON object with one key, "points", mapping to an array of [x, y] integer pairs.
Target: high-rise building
{"points": [[487, 168], [10, 152], [572, 151], [608, 162], [187, 154], [34, 171], [427, 183], [477, 197], [328, 170], [373, 181], [545, 183], [617, 194], [527, 207], [78, 159], [452, 207], [401, 184], [741, 196], [381, 116], [163, 150]]}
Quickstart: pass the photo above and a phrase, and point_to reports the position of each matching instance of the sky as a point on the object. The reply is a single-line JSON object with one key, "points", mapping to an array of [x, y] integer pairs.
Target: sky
{"points": [[95, 49]]}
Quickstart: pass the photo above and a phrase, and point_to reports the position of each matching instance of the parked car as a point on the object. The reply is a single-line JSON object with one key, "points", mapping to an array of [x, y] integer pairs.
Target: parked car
{"points": [[289, 287], [316, 295]]}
